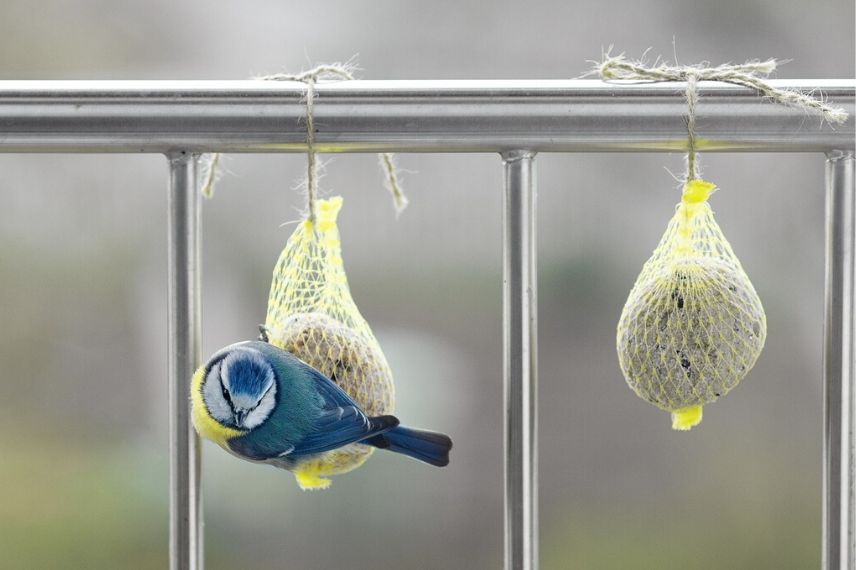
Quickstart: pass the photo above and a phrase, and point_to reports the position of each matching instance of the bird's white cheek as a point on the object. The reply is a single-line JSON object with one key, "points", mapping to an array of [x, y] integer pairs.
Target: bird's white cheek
{"points": [[261, 412], [217, 406]]}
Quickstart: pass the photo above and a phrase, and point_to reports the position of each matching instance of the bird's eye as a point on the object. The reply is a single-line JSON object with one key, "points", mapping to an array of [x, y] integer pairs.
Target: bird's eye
{"points": [[226, 395]]}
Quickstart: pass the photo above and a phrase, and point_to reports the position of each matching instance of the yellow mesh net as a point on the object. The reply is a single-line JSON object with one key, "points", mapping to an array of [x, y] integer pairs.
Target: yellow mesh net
{"points": [[312, 315], [693, 325]]}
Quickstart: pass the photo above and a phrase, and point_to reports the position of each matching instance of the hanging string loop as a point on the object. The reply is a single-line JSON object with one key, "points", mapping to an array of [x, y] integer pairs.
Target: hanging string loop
{"points": [[338, 72]]}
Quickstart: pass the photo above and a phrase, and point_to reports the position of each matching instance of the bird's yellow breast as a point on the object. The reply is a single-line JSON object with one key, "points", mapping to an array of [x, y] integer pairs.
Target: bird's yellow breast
{"points": [[205, 425]]}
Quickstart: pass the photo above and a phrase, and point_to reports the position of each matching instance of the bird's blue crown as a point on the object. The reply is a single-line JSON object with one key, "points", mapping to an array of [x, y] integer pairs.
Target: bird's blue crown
{"points": [[246, 373]]}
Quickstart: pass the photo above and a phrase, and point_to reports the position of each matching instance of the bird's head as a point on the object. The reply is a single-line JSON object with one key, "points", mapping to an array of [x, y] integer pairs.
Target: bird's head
{"points": [[239, 388]]}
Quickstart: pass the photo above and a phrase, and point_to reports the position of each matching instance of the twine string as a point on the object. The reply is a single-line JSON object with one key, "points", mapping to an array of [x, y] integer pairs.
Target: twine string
{"points": [[340, 72], [310, 78], [692, 100], [751, 74], [399, 200], [210, 166], [311, 157]]}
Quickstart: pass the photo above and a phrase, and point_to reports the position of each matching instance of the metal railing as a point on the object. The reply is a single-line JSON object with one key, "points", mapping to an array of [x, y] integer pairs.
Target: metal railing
{"points": [[516, 119]]}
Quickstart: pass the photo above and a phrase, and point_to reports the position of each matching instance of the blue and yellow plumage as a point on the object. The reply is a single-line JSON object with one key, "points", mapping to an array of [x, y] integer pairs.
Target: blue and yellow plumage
{"points": [[263, 404]]}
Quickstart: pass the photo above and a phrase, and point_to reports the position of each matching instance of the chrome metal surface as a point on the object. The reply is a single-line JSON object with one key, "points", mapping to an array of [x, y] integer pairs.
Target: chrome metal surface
{"points": [[839, 464], [185, 498], [520, 314], [402, 116]]}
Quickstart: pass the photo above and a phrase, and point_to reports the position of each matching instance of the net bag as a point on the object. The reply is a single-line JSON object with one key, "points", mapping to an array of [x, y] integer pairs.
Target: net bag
{"points": [[693, 325], [312, 315]]}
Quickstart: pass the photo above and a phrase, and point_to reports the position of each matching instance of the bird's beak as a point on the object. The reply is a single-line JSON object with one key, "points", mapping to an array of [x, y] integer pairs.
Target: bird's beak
{"points": [[240, 415]]}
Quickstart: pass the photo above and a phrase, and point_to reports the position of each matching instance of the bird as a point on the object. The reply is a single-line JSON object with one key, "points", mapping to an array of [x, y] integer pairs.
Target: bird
{"points": [[265, 405]]}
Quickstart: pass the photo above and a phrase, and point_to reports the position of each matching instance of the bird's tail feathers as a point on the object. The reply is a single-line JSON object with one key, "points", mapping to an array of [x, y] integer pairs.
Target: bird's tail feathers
{"points": [[428, 446]]}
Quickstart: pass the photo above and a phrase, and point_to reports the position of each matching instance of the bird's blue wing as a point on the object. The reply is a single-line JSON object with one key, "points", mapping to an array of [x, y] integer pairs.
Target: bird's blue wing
{"points": [[332, 419], [341, 421], [339, 428]]}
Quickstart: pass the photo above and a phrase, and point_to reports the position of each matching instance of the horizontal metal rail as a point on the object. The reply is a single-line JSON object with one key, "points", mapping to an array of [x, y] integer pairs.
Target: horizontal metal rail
{"points": [[407, 116], [515, 118]]}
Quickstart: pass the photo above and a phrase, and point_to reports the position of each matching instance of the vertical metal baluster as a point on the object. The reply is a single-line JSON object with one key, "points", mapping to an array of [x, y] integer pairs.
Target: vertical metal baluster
{"points": [[839, 509], [520, 362], [185, 506]]}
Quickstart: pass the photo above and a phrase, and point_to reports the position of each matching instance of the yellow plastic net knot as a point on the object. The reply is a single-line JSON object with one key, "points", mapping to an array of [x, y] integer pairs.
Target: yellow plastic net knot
{"points": [[312, 315], [697, 191], [693, 325], [686, 418]]}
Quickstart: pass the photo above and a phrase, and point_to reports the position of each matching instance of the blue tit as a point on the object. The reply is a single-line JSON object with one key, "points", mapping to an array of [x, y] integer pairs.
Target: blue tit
{"points": [[265, 405]]}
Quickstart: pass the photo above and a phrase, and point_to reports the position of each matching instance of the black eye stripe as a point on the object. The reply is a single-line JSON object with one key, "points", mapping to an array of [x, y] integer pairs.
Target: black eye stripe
{"points": [[226, 394], [269, 388]]}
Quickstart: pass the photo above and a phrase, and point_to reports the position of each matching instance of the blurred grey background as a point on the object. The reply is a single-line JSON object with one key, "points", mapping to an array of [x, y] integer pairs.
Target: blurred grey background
{"points": [[83, 460]]}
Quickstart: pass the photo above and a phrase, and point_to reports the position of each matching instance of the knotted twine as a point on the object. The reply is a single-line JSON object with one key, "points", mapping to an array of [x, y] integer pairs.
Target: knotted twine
{"points": [[310, 78], [748, 74]]}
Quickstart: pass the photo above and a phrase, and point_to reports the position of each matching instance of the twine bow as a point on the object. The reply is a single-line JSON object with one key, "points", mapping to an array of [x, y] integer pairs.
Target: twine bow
{"points": [[750, 74]]}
